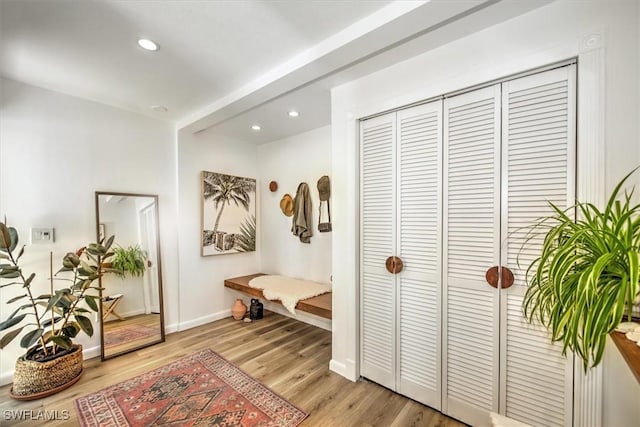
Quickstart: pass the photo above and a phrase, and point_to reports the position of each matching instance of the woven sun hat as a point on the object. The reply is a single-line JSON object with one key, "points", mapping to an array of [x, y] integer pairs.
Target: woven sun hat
{"points": [[324, 188], [286, 205]]}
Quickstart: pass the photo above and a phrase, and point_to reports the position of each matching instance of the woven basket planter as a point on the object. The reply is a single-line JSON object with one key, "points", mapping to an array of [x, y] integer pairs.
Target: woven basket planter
{"points": [[33, 380]]}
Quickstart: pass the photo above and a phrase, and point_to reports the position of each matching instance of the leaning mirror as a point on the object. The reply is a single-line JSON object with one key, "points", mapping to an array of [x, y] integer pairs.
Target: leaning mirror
{"points": [[131, 297]]}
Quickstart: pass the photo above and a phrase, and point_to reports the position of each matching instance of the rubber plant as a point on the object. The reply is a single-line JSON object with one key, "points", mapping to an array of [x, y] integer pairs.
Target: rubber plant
{"points": [[49, 322], [129, 260], [586, 277]]}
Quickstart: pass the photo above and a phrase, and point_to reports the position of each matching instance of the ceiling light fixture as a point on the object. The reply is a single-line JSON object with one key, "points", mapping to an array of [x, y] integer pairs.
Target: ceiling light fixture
{"points": [[147, 44], [293, 113], [256, 127]]}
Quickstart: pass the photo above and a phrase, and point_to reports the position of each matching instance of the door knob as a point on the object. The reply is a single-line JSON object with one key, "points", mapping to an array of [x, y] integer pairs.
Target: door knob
{"points": [[394, 265], [493, 277]]}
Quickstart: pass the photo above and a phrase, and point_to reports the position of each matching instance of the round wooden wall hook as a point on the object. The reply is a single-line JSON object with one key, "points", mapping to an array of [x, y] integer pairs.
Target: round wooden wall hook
{"points": [[273, 186]]}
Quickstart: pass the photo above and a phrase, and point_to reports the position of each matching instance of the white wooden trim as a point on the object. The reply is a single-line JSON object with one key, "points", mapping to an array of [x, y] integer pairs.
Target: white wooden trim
{"points": [[590, 188]]}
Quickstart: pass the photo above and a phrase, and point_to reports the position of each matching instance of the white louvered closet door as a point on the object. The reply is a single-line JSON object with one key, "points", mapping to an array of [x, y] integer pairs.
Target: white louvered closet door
{"points": [[471, 245], [419, 246], [378, 236], [537, 166]]}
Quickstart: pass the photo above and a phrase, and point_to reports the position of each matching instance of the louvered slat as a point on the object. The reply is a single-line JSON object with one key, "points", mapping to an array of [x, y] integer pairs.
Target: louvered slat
{"points": [[538, 144], [419, 242], [531, 393], [378, 340], [471, 219]]}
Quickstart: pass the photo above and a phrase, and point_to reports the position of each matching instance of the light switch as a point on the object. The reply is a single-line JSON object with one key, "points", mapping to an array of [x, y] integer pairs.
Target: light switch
{"points": [[41, 235]]}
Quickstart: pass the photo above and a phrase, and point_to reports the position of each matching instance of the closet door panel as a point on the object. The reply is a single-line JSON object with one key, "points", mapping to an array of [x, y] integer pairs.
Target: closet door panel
{"points": [[378, 290], [538, 158], [419, 247], [471, 246]]}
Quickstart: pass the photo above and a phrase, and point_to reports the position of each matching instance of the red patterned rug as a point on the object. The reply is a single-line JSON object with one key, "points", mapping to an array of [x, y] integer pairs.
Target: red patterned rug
{"points": [[128, 333], [203, 389]]}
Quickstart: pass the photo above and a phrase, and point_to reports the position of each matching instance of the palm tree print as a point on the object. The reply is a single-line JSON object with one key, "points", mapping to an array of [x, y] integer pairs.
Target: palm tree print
{"points": [[225, 189]]}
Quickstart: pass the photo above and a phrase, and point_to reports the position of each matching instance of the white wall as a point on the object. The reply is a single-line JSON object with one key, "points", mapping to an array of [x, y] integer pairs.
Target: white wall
{"points": [[55, 152], [203, 297], [552, 33], [301, 158], [121, 219]]}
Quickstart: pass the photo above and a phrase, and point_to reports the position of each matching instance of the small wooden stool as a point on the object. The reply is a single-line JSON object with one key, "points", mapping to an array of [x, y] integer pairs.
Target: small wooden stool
{"points": [[114, 300]]}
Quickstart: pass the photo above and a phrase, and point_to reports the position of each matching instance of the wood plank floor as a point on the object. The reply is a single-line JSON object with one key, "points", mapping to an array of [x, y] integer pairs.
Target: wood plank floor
{"points": [[290, 357], [147, 320]]}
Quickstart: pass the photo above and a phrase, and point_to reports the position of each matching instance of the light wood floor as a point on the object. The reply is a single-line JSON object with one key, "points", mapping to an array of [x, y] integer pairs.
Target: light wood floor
{"points": [[147, 320], [290, 357]]}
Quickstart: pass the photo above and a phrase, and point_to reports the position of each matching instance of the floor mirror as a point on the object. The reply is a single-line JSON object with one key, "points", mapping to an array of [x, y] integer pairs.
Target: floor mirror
{"points": [[131, 309]]}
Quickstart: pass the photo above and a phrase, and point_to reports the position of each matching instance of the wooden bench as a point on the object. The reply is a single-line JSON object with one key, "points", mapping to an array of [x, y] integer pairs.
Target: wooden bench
{"points": [[320, 305]]}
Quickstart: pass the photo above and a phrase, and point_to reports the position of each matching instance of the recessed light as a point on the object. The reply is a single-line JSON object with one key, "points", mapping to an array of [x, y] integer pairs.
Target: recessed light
{"points": [[256, 127], [293, 113], [147, 44], [159, 108]]}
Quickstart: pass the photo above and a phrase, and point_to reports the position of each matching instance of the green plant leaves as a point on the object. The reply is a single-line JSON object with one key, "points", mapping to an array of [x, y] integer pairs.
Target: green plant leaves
{"points": [[31, 337], [91, 302], [63, 304], [63, 341], [85, 324], [11, 322], [129, 260], [9, 336], [5, 237], [587, 274]]}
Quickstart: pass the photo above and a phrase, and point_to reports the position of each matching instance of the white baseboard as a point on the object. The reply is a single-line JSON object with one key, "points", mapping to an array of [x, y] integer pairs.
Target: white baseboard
{"points": [[346, 370], [6, 378], [183, 326], [311, 319], [90, 353], [169, 329], [337, 367]]}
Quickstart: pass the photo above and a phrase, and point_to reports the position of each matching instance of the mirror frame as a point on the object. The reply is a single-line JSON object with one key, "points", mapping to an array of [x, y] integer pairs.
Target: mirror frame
{"points": [[159, 263]]}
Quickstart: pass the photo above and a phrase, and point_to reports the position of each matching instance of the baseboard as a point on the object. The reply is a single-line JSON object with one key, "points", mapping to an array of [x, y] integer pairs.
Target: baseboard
{"points": [[337, 367], [183, 326], [6, 378], [169, 329], [90, 353], [311, 319]]}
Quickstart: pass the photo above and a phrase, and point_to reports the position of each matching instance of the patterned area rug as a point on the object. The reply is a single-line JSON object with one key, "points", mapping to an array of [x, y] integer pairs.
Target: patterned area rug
{"points": [[128, 333], [203, 389]]}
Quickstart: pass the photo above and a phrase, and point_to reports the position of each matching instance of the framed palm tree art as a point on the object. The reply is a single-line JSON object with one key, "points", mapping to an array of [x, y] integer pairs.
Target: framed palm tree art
{"points": [[228, 214]]}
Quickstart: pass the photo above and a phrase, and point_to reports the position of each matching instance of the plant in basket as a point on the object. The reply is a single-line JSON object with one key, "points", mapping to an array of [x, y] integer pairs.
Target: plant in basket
{"points": [[48, 323]]}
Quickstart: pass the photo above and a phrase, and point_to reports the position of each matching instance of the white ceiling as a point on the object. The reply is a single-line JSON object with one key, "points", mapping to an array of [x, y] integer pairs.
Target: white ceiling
{"points": [[224, 65]]}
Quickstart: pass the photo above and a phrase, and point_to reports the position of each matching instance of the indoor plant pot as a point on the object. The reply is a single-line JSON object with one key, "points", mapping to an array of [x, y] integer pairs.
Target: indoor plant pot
{"points": [[36, 379]]}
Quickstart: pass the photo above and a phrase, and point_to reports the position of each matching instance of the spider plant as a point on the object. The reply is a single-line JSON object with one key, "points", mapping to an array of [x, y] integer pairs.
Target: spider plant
{"points": [[129, 260], [587, 274]]}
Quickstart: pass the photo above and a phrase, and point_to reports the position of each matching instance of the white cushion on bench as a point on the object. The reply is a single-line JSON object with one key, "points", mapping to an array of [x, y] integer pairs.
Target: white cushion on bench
{"points": [[288, 290]]}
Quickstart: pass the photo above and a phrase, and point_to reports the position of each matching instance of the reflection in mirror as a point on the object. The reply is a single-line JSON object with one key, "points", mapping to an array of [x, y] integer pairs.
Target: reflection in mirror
{"points": [[131, 311]]}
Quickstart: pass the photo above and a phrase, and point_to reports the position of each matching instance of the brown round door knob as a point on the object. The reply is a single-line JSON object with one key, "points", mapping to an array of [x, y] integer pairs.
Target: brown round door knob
{"points": [[394, 265], [493, 277]]}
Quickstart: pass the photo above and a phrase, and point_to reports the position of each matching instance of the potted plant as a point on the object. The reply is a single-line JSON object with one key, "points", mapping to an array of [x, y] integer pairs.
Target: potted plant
{"points": [[586, 276], [129, 260], [49, 322]]}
